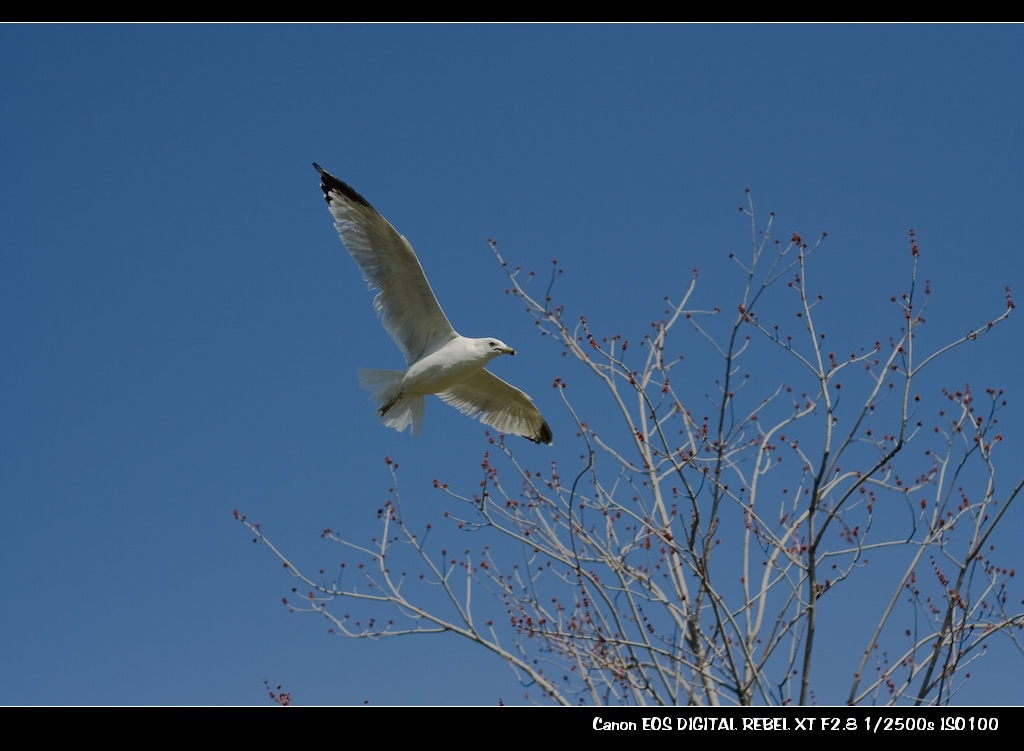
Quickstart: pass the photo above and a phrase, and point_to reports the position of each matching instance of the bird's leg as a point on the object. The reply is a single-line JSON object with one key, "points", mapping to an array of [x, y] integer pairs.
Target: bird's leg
{"points": [[384, 410]]}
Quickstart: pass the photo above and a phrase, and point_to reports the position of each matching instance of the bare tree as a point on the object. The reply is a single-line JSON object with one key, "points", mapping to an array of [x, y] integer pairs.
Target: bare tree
{"points": [[690, 553]]}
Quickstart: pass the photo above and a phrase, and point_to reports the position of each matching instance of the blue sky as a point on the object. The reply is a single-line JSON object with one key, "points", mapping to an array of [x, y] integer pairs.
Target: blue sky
{"points": [[182, 327]]}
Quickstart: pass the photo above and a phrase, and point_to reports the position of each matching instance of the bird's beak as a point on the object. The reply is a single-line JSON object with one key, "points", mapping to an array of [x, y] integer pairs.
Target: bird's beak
{"points": [[508, 351]]}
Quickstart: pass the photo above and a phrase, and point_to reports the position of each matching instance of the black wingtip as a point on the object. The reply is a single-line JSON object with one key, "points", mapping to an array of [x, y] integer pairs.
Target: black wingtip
{"points": [[544, 435], [329, 183]]}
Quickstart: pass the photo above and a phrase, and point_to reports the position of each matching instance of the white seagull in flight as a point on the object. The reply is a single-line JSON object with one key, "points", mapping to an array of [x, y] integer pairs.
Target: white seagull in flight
{"points": [[439, 360]]}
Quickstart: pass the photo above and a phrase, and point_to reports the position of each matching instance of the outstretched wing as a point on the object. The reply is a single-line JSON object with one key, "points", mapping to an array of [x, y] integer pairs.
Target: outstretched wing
{"points": [[498, 404], [406, 304]]}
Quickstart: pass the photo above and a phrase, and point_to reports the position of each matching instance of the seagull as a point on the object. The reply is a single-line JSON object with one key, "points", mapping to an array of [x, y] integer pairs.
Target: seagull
{"points": [[438, 359]]}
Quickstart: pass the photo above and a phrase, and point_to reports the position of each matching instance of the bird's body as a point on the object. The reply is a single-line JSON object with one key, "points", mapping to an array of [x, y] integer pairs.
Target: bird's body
{"points": [[439, 360]]}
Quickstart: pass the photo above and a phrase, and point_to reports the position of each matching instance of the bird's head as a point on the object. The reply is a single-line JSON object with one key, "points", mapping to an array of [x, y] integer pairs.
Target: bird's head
{"points": [[495, 347]]}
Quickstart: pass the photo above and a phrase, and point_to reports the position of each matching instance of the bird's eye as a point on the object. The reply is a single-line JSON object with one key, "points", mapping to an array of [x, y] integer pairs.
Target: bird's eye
{"points": [[494, 344]]}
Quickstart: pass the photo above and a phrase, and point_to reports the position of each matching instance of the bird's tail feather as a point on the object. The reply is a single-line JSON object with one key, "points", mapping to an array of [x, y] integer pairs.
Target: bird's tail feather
{"points": [[395, 411]]}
